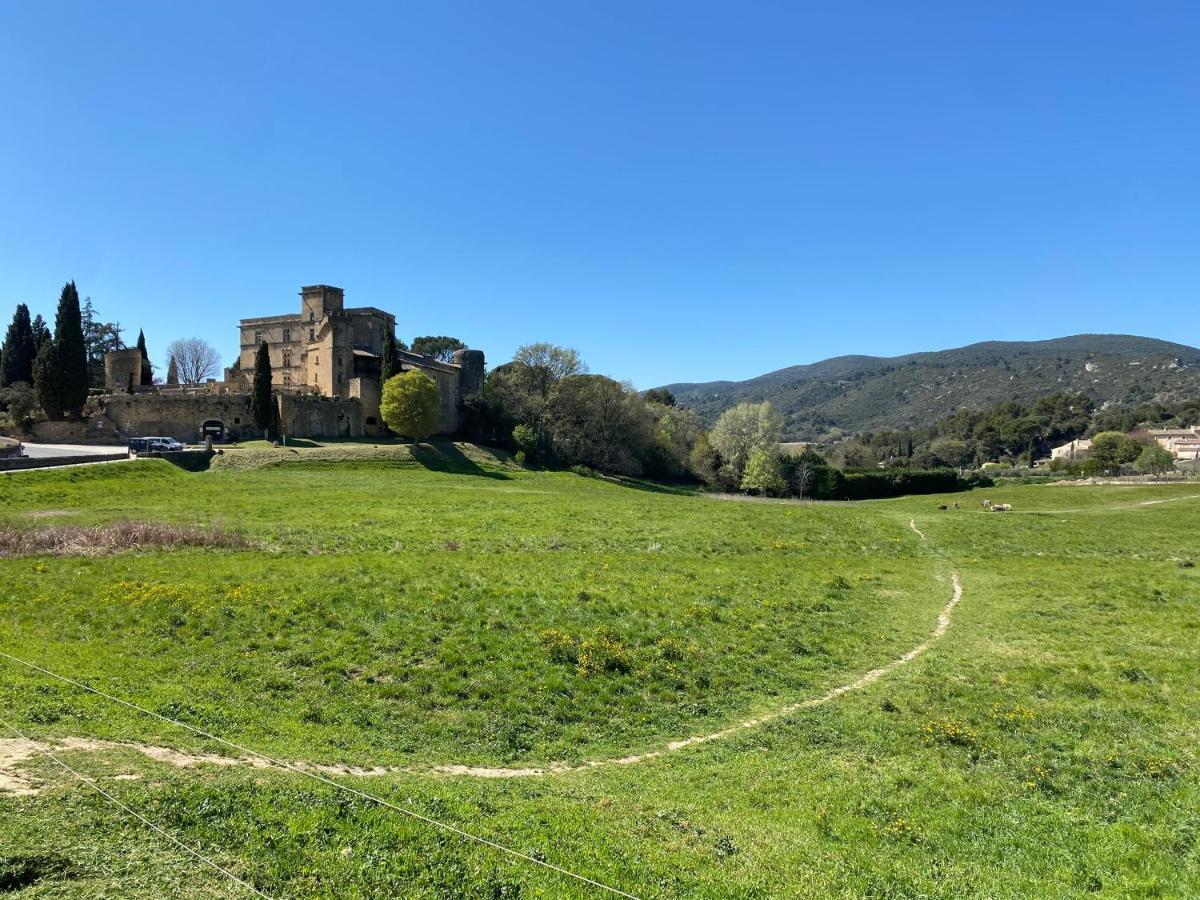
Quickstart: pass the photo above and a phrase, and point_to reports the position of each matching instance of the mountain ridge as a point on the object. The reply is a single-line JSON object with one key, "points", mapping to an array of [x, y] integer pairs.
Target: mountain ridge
{"points": [[853, 393]]}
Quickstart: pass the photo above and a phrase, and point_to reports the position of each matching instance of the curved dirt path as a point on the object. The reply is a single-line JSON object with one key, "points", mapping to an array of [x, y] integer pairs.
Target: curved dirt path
{"points": [[14, 751]]}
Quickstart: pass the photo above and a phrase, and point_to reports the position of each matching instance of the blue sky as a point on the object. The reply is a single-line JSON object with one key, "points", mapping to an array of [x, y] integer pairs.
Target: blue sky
{"points": [[682, 191]]}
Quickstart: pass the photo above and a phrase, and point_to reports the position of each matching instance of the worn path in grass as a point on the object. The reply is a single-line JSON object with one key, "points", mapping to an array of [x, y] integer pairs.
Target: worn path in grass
{"points": [[14, 752]]}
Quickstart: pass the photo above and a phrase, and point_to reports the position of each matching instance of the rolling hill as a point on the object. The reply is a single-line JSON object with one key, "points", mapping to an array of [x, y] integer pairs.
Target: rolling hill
{"points": [[864, 393]]}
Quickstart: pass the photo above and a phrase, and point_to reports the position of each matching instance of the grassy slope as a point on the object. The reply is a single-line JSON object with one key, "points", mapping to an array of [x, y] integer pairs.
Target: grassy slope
{"points": [[1046, 746]]}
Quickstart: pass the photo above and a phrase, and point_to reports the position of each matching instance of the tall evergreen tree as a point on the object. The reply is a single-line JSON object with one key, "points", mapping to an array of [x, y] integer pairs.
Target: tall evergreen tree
{"points": [[172, 371], [71, 351], [147, 370], [48, 384], [390, 366], [19, 351], [41, 333], [260, 394]]}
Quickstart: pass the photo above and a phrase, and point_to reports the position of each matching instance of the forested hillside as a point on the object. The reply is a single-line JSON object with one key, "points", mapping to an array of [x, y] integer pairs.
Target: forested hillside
{"points": [[849, 394]]}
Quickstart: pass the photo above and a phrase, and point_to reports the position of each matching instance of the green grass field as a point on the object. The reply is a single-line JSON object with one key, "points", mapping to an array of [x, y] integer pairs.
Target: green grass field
{"points": [[435, 608]]}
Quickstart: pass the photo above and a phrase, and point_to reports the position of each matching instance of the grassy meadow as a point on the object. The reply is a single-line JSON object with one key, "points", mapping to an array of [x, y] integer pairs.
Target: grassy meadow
{"points": [[418, 609]]}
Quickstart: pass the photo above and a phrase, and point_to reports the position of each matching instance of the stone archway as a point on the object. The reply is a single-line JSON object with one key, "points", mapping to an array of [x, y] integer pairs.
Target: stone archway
{"points": [[213, 428]]}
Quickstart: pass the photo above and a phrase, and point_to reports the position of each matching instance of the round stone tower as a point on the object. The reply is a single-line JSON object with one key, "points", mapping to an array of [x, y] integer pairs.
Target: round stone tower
{"points": [[470, 378]]}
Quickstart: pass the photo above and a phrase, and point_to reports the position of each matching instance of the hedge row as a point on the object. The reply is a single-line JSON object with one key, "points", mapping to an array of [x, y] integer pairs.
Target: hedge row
{"points": [[828, 483], [871, 484]]}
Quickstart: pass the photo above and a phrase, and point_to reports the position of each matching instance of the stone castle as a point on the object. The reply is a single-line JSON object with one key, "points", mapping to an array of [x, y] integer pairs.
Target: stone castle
{"points": [[325, 369]]}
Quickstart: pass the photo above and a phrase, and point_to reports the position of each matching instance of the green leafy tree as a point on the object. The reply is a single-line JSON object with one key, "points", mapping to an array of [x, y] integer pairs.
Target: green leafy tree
{"points": [[763, 474], [410, 404], [389, 366], [70, 352], [1111, 450], [676, 431], [520, 390], [660, 395], [740, 431], [261, 407], [19, 350], [549, 363], [601, 423], [147, 370], [47, 381], [1155, 459], [20, 401], [705, 463], [100, 338], [440, 347]]}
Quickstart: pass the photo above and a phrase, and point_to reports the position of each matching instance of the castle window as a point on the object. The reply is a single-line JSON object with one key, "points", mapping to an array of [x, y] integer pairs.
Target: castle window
{"points": [[339, 377], [312, 316], [287, 377], [258, 337], [287, 358], [287, 337], [312, 334]]}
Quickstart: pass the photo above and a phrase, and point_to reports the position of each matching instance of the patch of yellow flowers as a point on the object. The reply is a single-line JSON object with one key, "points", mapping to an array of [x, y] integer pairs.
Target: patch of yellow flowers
{"points": [[950, 730]]}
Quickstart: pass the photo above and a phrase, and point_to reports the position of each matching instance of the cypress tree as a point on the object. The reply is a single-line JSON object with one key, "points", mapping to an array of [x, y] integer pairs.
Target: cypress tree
{"points": [[172, 371], [48, 382], [19, 351], [71, 351], [260, 394], [147, 369], [41, 333], [390, 365]]}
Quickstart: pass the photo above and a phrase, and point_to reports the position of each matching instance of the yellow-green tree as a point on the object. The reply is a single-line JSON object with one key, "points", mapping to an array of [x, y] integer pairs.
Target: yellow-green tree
{"points": [[409, 404], [763, 474]]}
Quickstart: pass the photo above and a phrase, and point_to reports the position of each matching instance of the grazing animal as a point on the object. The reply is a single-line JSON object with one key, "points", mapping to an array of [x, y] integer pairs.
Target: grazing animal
{"points": [[1002, 507], [942, 506], [986, 504]]}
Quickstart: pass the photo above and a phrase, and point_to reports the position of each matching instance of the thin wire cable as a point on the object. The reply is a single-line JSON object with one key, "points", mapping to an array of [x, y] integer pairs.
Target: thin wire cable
{"points": [[454, 829], [133, 812]]}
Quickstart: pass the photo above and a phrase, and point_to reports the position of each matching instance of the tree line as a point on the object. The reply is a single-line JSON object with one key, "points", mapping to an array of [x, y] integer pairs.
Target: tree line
{"points": [[51, 371]]}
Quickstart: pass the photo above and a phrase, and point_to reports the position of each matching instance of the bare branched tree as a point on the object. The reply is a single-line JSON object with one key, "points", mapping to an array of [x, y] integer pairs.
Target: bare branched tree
{"points": [[195, 359]]}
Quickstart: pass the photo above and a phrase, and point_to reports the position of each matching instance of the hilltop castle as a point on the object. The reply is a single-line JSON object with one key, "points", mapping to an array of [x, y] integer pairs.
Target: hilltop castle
{"points": [[325, 369]]}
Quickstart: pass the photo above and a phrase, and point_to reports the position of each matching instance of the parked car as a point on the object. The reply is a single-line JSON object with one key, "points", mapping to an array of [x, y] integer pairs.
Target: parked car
{"points": [[154, 445]]}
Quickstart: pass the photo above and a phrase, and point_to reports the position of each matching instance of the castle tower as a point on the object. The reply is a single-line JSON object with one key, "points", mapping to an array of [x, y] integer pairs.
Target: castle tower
{"points": [[318, 301], [470, 379]]}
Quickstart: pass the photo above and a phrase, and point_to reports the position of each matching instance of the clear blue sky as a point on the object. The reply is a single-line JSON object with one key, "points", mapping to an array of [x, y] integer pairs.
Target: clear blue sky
{"points": [[683, 191]]}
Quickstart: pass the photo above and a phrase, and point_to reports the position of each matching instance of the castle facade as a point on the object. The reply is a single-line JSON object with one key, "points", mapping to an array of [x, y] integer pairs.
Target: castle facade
{"points": [[325, 369]]}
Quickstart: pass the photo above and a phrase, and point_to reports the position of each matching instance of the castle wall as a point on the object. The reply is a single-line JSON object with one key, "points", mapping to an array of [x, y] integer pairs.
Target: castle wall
{"points": [[180, 416], [321, 417]]}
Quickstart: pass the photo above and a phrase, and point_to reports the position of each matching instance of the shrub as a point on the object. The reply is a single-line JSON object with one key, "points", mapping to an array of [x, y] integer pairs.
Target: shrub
{"points": [[560, 646], [602, 653]]}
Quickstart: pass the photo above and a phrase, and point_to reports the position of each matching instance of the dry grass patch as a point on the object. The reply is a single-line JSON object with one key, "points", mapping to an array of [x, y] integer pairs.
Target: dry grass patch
{"points": [[119, 537]]}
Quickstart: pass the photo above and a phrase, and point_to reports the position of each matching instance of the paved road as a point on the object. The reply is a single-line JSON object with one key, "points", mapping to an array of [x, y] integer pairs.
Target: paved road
{"points": [[49, 451]]}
